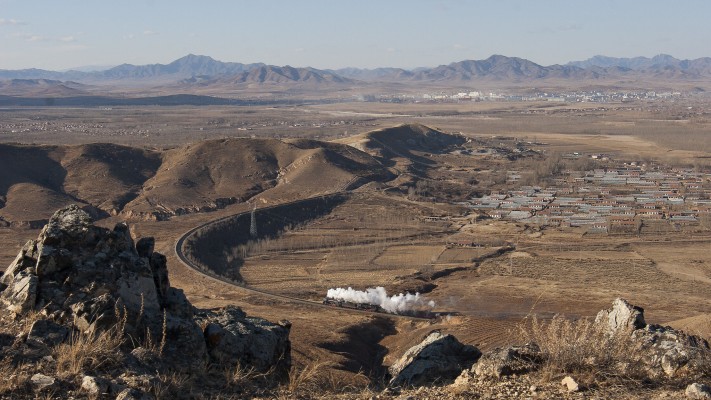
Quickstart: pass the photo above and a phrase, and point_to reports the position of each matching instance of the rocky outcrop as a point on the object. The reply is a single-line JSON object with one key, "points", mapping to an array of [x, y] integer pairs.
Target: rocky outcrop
{"points": [[622, 316], [508, 361], [88, 280], [665, 352], [438, 358], [233, 338]]}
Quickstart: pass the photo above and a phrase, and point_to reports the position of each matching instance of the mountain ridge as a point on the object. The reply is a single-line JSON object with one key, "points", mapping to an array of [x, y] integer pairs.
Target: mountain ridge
{"points": [[201, 71]]}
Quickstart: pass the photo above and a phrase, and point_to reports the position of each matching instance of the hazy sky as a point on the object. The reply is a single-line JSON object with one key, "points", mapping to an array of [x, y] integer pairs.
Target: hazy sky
{"points": [[60, 34]]}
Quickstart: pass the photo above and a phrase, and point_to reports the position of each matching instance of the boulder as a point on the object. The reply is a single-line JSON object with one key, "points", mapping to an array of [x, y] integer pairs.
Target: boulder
{"points": [[621, 316], [508, 361], [664, 351], [73, 261], [47, 332], [94, 386], [234, 338], [20, 295], [570, 384], [439, 357], [698, 391], [671, 353], [41, 382]]}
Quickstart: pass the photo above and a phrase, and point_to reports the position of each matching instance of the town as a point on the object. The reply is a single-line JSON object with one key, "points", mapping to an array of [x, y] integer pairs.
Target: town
{"points": [[624, 197], [579, 96]]}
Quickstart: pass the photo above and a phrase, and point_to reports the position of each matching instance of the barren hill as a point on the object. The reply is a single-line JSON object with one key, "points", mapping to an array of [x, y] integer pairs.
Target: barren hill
{"points": [[108, 179], [211, 174], [403, 140], [102, 177]]}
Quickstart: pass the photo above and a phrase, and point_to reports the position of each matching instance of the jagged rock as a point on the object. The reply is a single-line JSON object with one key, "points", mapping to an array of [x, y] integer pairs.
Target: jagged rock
{"points": [[508, 361], [437, 358], [232, 337], [145, 246], [185, 345], [47, 332], [663, 351], [90, 279], [698, 391], [570, 384], [622, 315], [73, 261], [94, 386], [21, 294], [41, 382], [668, 352], [25, 259], [178, 305]]}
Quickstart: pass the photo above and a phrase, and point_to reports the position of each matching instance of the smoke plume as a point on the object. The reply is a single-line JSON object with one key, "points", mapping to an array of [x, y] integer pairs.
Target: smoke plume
{"points": [[379, 297]]}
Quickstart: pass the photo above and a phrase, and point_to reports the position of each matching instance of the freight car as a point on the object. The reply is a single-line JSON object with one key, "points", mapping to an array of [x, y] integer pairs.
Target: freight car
{"points": [[427, 314], [356, 306]]}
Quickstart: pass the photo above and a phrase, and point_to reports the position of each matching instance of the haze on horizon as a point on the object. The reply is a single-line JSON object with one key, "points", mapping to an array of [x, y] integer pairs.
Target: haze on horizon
{"points": [[336, 34]]}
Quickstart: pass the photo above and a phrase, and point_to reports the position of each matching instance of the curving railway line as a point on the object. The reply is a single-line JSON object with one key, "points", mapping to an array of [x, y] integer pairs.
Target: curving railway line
{"points": [[188, 263]]}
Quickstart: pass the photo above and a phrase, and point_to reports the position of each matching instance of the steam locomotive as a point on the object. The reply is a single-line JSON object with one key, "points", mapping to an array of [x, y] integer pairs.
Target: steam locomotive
{"points": [[356, 306], [375, 308]]}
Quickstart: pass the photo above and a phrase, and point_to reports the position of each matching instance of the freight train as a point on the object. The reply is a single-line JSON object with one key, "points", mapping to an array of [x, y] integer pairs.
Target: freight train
{"points": [[356, 306], [376, 308]]}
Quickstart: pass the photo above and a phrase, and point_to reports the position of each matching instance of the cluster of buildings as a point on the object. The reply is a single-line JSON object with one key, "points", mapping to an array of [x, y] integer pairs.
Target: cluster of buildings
{"points": [[581, 96], [606, 200]]}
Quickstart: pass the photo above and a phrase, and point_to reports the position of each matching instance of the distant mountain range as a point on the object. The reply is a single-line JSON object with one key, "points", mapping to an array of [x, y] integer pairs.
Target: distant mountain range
{"points": [[640, 63], [269, 74], [205, 72], [182, 68]]}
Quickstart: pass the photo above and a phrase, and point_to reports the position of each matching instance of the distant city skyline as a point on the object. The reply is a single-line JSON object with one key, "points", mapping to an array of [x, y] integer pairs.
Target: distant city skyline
{"points": [[59, 35]]}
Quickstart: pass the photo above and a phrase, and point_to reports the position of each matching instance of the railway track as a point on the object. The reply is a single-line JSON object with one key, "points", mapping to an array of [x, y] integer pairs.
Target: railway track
{"points": [[215, 277]]}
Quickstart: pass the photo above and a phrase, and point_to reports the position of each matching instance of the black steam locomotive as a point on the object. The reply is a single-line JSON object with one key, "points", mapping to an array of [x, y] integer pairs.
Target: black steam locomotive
{"points": [[375, 308], [356, 306]]}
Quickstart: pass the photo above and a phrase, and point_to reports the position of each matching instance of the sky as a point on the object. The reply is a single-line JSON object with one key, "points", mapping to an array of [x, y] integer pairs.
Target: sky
{"points": [[58, 35]]}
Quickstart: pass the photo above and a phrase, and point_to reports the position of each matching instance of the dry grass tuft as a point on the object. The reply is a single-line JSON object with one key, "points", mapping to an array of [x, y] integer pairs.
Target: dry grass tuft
{"points": [[315, 380], [13, 378], [91, 351], [585, 349]]}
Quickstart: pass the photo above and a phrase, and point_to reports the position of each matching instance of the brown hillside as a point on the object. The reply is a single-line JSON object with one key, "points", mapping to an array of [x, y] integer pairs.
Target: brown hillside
{"points": [[402, 140], [211, 174], [109, 179], [29, 203], [107, 175], [38, 179], [30, 183]]}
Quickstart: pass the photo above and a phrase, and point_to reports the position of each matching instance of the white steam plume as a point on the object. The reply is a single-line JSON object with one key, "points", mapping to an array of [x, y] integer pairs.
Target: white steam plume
{"points": [[379, 297]]}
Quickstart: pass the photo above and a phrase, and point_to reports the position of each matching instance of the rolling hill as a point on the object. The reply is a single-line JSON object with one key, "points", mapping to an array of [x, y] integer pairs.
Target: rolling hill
{"points": [[100, 177], [108, 179], [403, 141]]}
